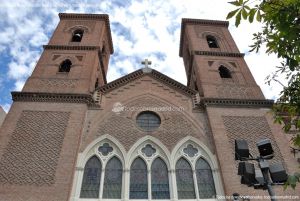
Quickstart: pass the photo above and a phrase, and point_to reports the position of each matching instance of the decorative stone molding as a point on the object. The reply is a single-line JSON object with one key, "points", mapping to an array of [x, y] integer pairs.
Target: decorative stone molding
{"points": [[68, 47], [220, 54], [236, 102], [139, 73], [54, 97]]}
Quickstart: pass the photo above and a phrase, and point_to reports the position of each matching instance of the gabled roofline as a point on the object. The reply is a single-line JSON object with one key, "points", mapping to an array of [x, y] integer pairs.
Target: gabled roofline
{"points": [[101, 17], [186, 21], [138, 74]]}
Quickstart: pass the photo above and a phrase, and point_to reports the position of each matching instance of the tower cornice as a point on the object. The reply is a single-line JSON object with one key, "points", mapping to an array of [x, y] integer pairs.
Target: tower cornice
{"points": [[70, 47], [220, 54], [53, 97], [220, 102]]}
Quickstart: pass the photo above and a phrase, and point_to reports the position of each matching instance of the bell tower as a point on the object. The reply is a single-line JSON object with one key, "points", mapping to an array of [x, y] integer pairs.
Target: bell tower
{"points": [[76, 57], [41, 133], [214, 66]]}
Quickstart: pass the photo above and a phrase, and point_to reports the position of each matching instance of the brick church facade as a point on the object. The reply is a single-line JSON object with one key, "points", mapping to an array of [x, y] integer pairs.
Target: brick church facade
{"points": [[72, 136]]}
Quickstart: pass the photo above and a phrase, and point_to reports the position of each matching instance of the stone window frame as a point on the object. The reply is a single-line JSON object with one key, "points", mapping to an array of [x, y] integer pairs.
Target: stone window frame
{"points": [[127, 157]]}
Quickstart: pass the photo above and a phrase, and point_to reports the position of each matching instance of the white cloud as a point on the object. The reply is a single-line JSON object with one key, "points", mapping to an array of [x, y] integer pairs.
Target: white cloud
{"points": [[6, 107]]}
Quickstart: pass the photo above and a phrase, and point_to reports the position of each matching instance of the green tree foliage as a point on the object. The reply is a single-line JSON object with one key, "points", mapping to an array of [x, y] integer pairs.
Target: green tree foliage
{"points": [[281, 36]]}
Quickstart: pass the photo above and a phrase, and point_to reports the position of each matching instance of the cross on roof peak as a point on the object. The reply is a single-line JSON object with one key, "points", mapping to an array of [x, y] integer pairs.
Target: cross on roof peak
{"points": [[147, 63]]}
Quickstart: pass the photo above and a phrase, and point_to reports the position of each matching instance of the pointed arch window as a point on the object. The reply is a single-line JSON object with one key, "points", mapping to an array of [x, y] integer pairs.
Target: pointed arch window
{"points": [[77, 35], [224, 72], [205, 181], [65, 66], [184, 179], [138, 180], [159, 180], [91, 178], [112, 187], [212, 42]]}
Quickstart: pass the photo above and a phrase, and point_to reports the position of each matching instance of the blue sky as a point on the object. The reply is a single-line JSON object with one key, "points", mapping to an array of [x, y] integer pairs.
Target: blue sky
{"points": [[140, 29]]}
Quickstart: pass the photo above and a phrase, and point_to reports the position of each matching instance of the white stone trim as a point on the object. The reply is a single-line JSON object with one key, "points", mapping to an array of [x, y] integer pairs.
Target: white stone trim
{"points": [[135, 151]]}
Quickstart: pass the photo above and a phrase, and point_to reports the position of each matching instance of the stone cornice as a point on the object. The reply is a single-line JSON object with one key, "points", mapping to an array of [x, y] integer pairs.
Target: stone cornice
{"points": [[53, 97], [186, 21], [219, 54], [79, 16], [266, 103], [70, 47], [152, 73]]}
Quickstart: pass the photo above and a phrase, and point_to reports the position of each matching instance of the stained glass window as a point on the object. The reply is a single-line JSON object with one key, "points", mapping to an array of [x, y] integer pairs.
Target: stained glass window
{"points": [[184, 179], [148, 150], [159, 180], [205, 180], [148, 121], [113, 179], [190, 150], [105, 149], [138, 180], [91, 178]]}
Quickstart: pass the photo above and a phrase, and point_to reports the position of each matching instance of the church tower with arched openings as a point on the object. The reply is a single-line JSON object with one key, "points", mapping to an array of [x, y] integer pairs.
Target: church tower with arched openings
{"points": [[72, 136]]}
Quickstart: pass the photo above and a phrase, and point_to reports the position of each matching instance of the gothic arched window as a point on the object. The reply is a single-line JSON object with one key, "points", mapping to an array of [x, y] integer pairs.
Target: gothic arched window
{"points": [[138, 180], [91, 178], [212, 41], [224, 72], [205, 181], [65, 66], [159, 180], [77, 35], [184, 179], [112, 187]]}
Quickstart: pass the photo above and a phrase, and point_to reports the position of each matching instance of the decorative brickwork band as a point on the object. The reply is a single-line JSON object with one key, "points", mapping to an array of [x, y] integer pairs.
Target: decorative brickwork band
{"points": [[54, 97], [236, 102], [31, 156], [219, 54], [252, 129]]}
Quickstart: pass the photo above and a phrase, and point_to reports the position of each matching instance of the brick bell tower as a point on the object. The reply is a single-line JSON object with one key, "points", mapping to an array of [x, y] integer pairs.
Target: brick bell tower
{"points": [[214, 66], [234, 104], [76, 58], [40, 136]]}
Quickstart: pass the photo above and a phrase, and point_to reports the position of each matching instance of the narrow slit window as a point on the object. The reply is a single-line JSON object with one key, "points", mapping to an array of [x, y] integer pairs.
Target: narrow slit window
{"points": [[96, 83], [65, 66], [224, 72], [77, 35], [212, 42]]}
